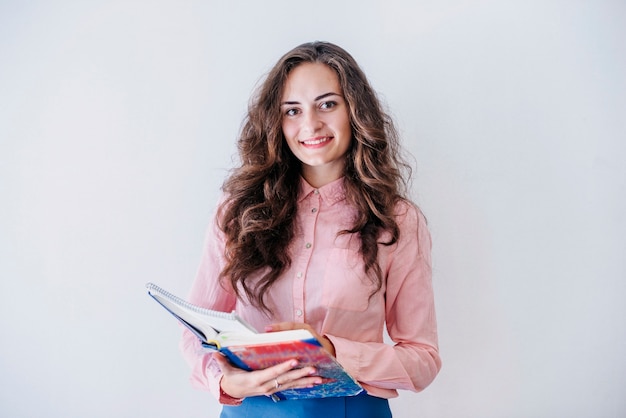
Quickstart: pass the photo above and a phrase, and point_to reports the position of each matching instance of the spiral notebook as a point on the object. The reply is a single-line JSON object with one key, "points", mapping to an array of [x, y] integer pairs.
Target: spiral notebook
{"points": [[249, 350], [206, 324]]}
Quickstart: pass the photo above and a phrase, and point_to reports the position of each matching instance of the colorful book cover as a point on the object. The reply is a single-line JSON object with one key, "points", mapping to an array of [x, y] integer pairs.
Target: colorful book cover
{"points": [[336, 382]]}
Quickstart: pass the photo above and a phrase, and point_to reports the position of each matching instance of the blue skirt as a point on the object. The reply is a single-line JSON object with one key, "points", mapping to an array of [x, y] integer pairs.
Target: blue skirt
{"points": [[360, 406]]}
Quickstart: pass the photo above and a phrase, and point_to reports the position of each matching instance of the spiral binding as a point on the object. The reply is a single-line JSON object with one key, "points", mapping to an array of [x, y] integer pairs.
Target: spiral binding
{"points": [[153, 288]]}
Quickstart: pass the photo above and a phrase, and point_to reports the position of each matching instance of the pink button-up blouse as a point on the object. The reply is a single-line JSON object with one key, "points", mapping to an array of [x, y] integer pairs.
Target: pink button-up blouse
{"points": [[325, 286]]}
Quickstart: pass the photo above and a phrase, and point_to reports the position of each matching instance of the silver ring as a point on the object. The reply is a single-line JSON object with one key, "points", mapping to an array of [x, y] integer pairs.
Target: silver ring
{"points": [[276, 383]]}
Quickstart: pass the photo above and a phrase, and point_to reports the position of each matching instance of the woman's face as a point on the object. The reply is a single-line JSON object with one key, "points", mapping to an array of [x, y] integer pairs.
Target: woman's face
{"points": [[315, 122]]}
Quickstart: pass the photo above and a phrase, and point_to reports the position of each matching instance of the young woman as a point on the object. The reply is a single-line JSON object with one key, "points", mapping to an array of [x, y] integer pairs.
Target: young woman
{"points": [[315, 231]]}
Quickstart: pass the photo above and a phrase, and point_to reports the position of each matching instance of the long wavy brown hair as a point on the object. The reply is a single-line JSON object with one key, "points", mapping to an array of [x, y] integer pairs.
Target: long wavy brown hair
{"points": [[258, 215]]}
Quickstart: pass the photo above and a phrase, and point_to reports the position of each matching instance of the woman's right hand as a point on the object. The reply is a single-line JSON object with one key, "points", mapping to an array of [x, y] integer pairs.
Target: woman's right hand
{"points": [[239, 383]]}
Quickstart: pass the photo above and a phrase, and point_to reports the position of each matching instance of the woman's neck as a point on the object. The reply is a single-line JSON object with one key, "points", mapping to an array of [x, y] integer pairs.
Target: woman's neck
{"points": [[318, 176]]}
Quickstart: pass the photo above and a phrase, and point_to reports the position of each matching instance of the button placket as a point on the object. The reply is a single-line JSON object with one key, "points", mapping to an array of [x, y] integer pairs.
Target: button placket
{"points": [[310, 221]]}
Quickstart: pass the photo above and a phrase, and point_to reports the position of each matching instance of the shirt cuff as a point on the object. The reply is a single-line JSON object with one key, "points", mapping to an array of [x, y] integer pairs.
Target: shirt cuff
{"points": [[226, 399], [347, 355], [214, 377]]}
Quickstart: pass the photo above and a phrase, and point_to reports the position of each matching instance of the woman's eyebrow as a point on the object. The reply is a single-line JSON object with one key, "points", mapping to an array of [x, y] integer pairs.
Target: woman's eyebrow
{"points": [[323, 96], [320, 97]]}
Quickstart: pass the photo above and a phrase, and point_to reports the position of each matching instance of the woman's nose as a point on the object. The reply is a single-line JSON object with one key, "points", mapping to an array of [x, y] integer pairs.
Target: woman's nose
{"points": [[312, 122]]}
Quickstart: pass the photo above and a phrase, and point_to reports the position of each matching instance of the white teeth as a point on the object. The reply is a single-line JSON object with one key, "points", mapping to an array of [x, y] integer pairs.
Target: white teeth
{"points": [[316, 141]]}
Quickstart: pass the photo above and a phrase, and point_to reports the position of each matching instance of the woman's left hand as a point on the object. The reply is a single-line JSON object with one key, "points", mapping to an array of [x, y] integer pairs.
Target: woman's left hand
{"points": [[285, 326]]}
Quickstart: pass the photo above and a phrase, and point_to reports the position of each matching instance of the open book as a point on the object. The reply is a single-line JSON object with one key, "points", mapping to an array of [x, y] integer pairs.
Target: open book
{"points": [[249, 350]]}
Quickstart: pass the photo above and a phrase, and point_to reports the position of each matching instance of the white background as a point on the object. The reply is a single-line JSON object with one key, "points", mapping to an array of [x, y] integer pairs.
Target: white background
{"points": [[117, 125]]}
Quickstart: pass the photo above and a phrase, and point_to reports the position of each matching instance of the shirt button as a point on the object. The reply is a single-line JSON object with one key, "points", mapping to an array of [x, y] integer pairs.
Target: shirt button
{"points": [[298, 312], [314, 210], [299, 275], [316, 191], [308, 245]]}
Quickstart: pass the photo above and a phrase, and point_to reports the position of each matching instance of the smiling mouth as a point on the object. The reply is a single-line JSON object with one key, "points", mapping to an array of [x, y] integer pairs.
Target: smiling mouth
{"points": [[317, 141]]}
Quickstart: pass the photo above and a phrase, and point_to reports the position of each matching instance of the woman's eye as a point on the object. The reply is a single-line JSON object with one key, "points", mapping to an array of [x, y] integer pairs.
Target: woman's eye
{"points": [[328, 105], [291, 112]]}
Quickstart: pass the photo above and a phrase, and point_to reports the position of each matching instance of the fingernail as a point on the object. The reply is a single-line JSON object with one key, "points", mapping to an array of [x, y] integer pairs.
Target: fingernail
{"points": [[268, 328], [312, 371], [293, 363]]}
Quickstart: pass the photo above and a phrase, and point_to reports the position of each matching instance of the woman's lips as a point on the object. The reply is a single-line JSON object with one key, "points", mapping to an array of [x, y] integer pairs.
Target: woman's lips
{"points": [[318, 140]]}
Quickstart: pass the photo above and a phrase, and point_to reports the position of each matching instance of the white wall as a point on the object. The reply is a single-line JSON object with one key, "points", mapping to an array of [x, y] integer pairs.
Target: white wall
{"points": [[117, 123]]}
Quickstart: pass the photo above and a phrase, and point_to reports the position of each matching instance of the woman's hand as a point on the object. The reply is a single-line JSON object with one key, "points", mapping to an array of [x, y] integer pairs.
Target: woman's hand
{"points": [[284, 326], [239, 383]]}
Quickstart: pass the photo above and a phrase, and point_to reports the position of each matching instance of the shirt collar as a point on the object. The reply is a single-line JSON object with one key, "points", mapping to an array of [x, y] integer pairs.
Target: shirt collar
{"points": [[331, 193]]}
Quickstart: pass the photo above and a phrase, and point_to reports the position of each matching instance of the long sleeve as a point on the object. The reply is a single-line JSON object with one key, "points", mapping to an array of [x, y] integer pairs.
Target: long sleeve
{"points": [[208, 292], [413, 361]]}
